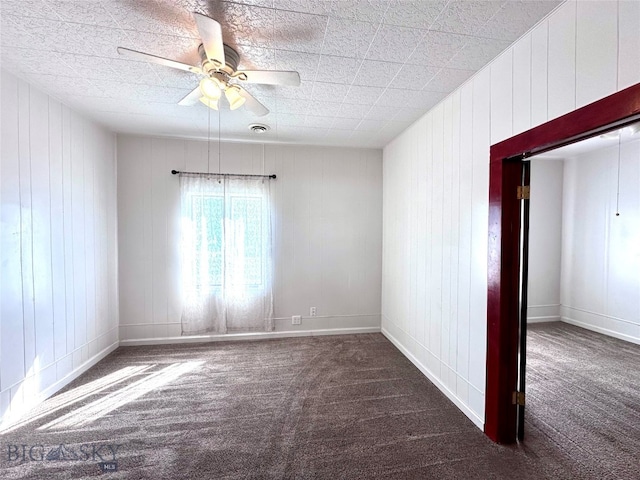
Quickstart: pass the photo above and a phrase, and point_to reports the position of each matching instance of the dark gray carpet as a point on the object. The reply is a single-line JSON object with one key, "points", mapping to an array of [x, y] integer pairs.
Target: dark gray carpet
{"points": [[317, 407], [583, 397]]}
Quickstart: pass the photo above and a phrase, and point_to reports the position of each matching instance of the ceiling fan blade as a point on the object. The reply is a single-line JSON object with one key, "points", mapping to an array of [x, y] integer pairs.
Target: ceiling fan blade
{"points": [[147, 57], [211, 34], [192, 98], [270, 77], [253, 105]]}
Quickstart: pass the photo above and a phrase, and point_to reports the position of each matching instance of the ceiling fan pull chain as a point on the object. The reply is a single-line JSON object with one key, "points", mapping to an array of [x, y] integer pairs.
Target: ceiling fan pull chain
{"points": [[618, 187], [209, 144]]}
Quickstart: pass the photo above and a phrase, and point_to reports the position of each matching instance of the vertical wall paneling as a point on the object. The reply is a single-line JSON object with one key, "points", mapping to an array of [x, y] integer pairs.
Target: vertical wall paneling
{"points": [[12, 348], [337, 246], [623, 286], [502, 97], [58, 174], [78, 242], [159, 172], [447, 240], [539, 73], [146, 182], [38, 117], [628, 44], [130, 212], [479, 227], [431, 180], [437, 205], [58, 276], [466, 202], [100, 234], [67, 226], [522, 84], [455, 241], [26, 229], [89, 238], [563, 62], [545, 238], [596, 66], [413, 246], [175, 159], [561, 67], [601, 259], [423, 234]]}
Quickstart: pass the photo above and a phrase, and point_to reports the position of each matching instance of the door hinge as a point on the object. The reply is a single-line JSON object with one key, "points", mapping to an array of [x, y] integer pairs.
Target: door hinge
{"points": [[523, 192], [518, 398]]}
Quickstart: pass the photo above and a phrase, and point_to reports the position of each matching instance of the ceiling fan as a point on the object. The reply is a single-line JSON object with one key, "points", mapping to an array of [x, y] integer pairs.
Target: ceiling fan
{"points": [[219, 71]]}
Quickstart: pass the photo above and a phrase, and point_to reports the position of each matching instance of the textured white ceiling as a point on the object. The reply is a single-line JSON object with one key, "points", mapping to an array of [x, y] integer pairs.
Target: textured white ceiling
{"points": [[369, 68]]}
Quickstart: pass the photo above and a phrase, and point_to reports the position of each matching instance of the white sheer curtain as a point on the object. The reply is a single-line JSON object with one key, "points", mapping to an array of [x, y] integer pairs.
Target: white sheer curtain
{"points": [[226, 254]]}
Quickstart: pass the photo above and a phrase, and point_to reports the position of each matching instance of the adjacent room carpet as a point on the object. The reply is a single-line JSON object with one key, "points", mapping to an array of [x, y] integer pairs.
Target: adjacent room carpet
{"points": [[327, 407], [583, 397]]}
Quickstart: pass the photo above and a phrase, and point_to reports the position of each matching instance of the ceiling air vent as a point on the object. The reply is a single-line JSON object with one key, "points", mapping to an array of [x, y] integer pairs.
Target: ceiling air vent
{"points": [[258, 128]]}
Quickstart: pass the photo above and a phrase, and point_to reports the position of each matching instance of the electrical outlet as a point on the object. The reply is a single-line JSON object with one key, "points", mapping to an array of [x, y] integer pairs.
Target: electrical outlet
{"points": [[312, 311], [296, 320]]}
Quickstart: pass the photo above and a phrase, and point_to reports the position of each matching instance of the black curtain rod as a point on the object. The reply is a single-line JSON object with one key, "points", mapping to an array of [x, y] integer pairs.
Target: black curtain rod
{"points": [[176, 172]]}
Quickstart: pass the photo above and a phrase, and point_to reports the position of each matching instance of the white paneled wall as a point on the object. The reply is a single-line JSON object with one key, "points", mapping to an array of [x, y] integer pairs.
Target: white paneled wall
{"points": [[545, 240], [58, 303], [435, 229], [561, 59], [596, 38], [628, 43], [327, 228], [601, 251]]}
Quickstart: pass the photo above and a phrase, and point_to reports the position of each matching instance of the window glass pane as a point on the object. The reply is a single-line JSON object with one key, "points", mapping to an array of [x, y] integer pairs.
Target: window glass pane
{"points": [[207, 213], [246, 239], [244, 252]]}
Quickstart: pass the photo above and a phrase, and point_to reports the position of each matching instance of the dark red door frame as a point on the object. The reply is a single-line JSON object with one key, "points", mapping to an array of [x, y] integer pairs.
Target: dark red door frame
{"points": [[505, 175]]}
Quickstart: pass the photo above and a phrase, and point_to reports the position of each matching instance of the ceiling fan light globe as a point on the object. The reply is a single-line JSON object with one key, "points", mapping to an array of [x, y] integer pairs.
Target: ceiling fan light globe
{"points": [[210, 88], [211, 103], [236, 100], [237, 103]]}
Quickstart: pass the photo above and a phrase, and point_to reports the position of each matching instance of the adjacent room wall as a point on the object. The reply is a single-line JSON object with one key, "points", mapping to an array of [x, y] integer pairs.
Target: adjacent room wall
{"points": [[436, 179], [58, 294], [601, 251], [327, 231], [545, 240]]}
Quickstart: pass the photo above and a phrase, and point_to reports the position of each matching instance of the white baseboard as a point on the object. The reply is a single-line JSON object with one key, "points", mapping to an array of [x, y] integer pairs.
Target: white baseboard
{"points": [[329, 322], [67, 379], [602, 330], [554, 318], [130, 332], [11, 418], [247, 336], [543, 313], [479, 422]]}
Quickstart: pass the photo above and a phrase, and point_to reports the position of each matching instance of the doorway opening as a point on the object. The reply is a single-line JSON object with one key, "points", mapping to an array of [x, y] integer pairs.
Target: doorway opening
{"points": [[582, 228], [508, 187]]}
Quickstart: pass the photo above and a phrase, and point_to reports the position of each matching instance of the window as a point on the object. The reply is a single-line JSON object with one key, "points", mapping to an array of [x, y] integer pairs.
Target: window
{"points": [[245, 225], [226, 254]]}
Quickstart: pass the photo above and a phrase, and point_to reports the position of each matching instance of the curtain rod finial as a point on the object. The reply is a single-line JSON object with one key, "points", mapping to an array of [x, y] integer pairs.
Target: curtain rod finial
{"points": [[175, 172]]}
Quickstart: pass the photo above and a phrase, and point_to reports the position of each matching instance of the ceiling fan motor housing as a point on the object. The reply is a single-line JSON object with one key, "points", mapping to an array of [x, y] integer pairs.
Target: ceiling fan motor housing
{"points": [[231, 57]]}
